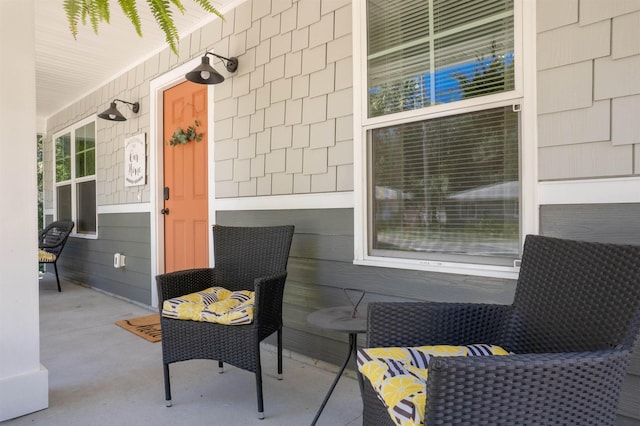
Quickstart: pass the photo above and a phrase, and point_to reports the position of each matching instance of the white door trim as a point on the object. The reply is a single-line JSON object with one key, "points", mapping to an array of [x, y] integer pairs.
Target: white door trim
{"points": [[156, 160]]}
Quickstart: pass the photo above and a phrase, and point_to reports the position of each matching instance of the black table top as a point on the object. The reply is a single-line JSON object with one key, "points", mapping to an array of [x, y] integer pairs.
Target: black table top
{"points": [[339, 319]]}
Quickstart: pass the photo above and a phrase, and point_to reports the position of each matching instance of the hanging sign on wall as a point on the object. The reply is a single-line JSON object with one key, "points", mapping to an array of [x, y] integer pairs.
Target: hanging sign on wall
{"points": [[135, 156]]}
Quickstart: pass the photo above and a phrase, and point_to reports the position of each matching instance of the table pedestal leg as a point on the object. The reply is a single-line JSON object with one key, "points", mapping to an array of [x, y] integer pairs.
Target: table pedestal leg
{"points": [[353, 348]]}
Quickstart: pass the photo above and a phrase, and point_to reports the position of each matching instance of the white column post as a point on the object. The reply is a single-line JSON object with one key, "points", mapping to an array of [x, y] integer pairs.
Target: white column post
{"points": [[23, 380]]}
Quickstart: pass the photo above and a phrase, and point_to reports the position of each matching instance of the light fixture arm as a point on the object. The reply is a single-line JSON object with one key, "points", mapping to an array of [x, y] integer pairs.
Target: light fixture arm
{"points": [[231, 64], [133, 106]]}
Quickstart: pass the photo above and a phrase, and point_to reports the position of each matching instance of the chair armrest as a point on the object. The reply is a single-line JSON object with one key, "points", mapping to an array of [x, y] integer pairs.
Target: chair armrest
{"points": [[179, 283], [269, 293], [431, 323], [581, 388], [44, 245]]}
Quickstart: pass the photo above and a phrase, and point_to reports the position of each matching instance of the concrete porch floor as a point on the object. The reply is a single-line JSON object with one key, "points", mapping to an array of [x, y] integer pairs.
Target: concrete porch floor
{"points": [[101, 374]]}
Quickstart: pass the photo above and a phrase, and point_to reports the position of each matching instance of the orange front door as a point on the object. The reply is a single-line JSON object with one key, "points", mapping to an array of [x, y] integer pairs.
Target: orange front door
{"points": [[186, 233]]}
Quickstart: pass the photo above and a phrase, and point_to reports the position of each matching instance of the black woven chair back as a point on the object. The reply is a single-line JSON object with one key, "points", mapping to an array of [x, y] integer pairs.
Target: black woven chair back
{"points": [[243, 253], [575, 296], [54, 236]]}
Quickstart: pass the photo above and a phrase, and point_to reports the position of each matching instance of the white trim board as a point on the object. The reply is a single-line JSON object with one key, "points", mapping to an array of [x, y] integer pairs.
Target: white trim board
{"points": [[125, 208], [590, 191], [328, 200], [325, 200]]}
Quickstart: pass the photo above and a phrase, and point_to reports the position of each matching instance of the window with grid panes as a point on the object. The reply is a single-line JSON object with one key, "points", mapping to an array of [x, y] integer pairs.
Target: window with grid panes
{"points": [[442, 131], [75, 173]]}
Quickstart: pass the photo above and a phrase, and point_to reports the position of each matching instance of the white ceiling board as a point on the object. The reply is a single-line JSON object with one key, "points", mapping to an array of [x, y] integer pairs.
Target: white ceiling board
{"points": [[68, 69]]}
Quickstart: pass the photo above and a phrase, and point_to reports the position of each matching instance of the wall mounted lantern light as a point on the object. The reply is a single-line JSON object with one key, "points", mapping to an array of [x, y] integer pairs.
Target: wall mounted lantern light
{"points": [[112, 114], [205, 74]]}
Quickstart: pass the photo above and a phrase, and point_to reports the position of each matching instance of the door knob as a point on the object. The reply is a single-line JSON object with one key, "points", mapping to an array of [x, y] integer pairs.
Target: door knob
{"points": [[164, 211]]}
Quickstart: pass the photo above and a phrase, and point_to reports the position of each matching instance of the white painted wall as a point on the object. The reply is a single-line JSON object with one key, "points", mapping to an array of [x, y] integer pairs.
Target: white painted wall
{"points": [[23, 381]]}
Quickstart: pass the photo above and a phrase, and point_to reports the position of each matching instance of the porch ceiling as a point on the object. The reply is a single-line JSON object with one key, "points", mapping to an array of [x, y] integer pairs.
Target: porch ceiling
{"points": [[68, 69]]}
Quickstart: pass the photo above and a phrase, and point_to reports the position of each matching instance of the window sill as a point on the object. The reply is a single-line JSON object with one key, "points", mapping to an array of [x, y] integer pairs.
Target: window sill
{"points": [[85, 236], [491, 271]]}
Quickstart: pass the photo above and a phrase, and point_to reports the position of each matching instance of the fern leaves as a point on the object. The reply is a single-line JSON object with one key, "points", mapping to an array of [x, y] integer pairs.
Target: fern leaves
{"points": [[77, 11], [206, 6], [131, 12], [72, 9], [162, 13], [97, 11], [179, 5]]}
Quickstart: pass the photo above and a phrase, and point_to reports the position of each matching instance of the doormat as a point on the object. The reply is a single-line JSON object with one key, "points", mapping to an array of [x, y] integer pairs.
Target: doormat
{"points": [[147, 327]]}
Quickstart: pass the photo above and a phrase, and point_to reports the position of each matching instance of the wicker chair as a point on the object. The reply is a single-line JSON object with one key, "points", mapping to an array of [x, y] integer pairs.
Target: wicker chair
{"points": [[246, 258], [51, 241], [571, 327]]}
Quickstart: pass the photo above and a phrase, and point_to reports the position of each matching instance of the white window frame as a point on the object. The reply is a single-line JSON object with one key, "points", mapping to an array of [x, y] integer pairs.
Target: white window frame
{"points": [[73, 181], [524, 95]]}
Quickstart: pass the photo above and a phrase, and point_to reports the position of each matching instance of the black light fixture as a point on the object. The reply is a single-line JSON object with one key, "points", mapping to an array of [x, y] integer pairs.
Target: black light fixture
{"points": [[205, 74], [112, 114]]}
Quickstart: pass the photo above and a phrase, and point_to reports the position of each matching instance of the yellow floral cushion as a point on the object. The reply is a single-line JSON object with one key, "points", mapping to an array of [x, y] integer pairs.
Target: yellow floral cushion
{"points": [[399, 375], [215, 304], [45, 256]]}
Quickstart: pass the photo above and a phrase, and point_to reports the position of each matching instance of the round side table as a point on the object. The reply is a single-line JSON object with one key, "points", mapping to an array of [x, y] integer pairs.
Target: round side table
{"points": [[340, 319]]}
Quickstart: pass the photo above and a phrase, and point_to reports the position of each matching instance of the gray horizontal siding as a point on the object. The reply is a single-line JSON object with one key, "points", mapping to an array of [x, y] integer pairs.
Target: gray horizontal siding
{"points": [[91, 261], [606, 223], [610, 223], [321, 266]]}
